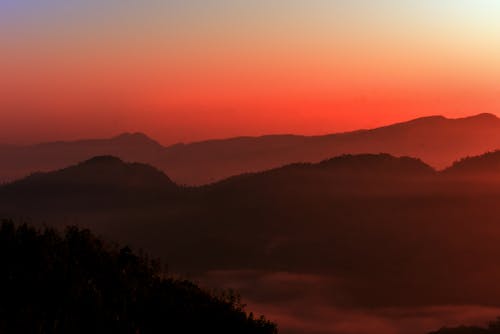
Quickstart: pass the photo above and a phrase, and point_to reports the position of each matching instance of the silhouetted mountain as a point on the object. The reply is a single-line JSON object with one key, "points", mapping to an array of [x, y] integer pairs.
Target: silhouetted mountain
{"points": [[103, 182], [436, 140], [343, 175], [486, 165], [492, 328], [20, 161], [107, 188], [385, 231], [75, 283], [465, 330], [103, 171]]}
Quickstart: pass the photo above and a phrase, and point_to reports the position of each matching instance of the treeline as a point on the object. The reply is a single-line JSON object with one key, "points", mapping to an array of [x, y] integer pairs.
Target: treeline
{"points": [[73, 282], [492, 328]]}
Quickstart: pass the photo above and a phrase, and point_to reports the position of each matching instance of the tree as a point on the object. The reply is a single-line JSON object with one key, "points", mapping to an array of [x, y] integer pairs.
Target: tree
{"points": [[76, 283]]}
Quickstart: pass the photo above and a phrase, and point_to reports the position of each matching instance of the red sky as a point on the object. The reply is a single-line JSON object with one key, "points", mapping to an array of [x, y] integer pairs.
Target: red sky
{"points": [[192, 70]]}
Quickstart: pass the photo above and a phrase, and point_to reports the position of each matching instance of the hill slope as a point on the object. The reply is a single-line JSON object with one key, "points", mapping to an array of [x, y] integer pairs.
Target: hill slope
{"points": [[436, 140], [74, 283], [20, 161], [103, 171], [311, 218], [104, 183], [485, 165], [370, 231]]}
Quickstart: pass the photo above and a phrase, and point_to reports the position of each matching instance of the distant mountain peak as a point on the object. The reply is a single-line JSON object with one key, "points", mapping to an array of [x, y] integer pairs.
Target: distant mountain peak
{"points": [[438, 121], [483, 116], [429, 118], [421, 122], [135, 137]]}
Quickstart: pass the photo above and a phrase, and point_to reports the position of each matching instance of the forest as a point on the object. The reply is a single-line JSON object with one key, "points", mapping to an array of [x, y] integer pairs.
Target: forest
{"points": [[74, 282]]}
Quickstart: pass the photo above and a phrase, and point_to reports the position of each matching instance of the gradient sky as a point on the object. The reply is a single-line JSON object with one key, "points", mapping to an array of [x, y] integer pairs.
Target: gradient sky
{"points": [[184, 70]]}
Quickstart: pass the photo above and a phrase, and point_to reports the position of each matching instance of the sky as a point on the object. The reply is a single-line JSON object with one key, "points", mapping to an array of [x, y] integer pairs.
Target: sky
{"points": [[188, 70]]}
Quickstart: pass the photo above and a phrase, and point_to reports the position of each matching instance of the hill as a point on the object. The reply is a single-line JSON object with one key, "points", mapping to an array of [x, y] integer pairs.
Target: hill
{"points": [[75, 283], [125, 201], [492, 328], [103, 183], [102, 171], [370, 231], [436, 140], [21, 161], [485, 165]]}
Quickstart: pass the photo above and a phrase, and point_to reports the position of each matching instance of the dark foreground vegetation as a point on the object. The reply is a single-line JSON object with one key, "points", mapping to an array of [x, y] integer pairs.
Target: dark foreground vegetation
{"points": [[492, 328], [75, 283]]}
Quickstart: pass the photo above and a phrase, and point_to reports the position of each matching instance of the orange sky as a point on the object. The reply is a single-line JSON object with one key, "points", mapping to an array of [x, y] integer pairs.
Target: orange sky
{"points": [[191, 70]]}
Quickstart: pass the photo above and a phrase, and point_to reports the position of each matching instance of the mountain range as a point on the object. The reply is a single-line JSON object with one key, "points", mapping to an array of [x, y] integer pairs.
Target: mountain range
{"points": [[437, 140], [288, 224], [343, 217]]}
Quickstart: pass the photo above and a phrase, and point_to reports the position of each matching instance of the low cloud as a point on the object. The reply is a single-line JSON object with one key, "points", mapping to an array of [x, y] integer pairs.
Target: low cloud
{"points": [[315, 304]]}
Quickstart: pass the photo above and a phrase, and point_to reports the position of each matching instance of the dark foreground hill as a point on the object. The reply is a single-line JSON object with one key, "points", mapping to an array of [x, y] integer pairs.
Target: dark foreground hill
{"points": [[492, 328], [74, 283], [436, 140]]}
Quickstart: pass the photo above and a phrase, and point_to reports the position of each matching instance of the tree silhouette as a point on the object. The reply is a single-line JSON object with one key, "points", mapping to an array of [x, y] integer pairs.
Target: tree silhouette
{"points": [[75, 283], [492, 328]]}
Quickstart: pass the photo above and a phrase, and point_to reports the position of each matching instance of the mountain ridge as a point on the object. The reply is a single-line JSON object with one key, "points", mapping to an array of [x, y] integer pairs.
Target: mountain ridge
{"points": [[354, 164], [101, 175], [305, 218], [437, 140]]}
